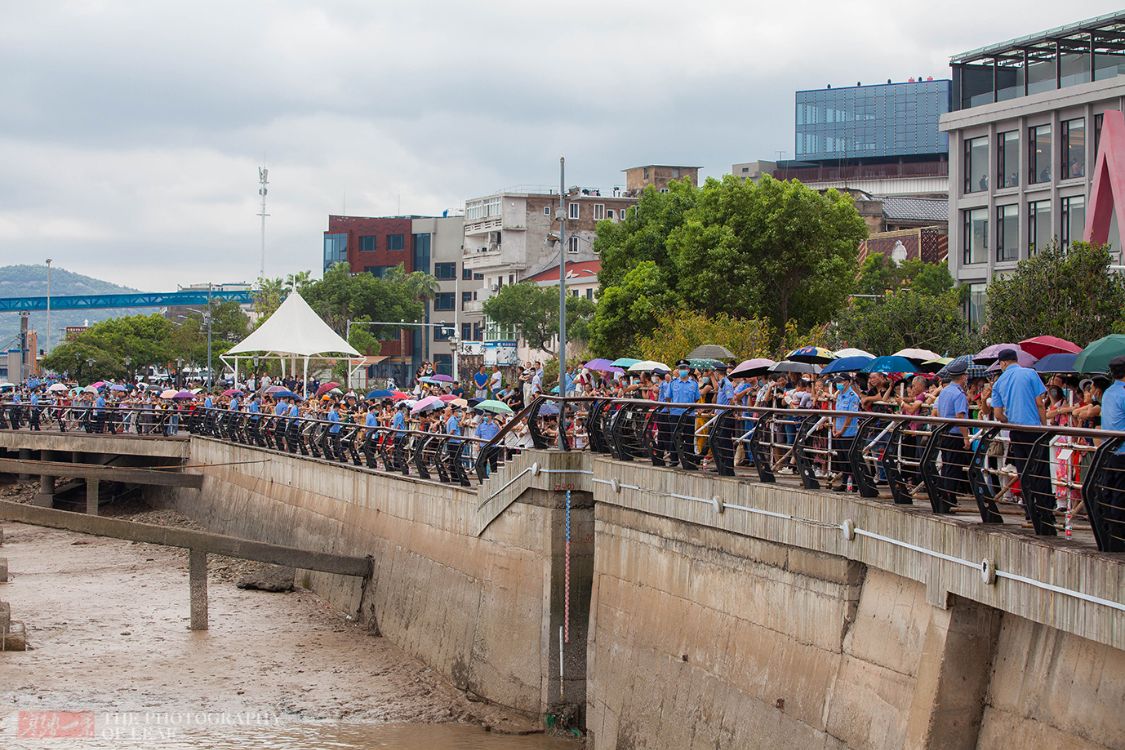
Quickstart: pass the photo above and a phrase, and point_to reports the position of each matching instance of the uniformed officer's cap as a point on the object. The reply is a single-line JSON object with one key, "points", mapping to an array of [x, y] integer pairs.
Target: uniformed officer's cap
{"points": [[722, 367], [844, 377], [683, 363], [957, 367]]}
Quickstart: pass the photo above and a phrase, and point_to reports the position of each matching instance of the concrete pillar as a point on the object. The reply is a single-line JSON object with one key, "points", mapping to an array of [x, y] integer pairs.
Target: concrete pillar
{"points": [[25, 455], [5, 617], [953, 676], [197, 583], [92, 496], [3, 570]]}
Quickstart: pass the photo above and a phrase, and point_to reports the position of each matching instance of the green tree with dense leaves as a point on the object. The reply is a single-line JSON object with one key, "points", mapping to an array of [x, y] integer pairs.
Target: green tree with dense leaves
{"points": [[880, 274], [772, 249], [533, 311], [905, 318], [1071, 294], [118, 347], [229, 325], [679, 331]]}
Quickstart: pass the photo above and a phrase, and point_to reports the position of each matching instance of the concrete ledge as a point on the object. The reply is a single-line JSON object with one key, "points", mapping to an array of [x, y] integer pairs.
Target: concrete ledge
{"points": [[126, 445]]}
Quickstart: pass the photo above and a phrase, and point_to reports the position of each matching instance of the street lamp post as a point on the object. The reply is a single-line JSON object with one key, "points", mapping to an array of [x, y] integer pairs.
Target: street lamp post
{"points": [[210, 374], [562, 302], [47, 345]]}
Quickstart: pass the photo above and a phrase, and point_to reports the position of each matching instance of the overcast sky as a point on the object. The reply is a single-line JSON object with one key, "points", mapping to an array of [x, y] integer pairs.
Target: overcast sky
{"points": [[130, 133]]}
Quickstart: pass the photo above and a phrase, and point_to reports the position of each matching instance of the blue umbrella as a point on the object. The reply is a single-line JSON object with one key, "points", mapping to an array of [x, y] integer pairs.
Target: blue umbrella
{"points": [[1062, 362], [847, 364], [286, 394], [890, 364], [549, 409], [380, 393], [116, 387]]}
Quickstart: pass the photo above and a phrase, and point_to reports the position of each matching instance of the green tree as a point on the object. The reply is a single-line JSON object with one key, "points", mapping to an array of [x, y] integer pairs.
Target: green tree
{"points": [[533, 311], [905, 318], [85, 362], [1066, 293], [679, 331], [630, 309], [880, 274], [119, 347]]}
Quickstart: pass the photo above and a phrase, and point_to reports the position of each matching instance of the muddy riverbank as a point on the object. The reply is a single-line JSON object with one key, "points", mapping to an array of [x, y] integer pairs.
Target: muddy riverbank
{"points": [[108, 626]]}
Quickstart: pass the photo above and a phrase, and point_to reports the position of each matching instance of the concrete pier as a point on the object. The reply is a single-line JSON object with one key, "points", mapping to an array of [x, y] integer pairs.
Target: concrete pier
{"points": [[197, 583]]}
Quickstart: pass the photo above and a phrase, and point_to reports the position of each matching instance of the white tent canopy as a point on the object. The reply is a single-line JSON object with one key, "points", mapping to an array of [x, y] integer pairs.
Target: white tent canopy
{"points": [[293, 331]]}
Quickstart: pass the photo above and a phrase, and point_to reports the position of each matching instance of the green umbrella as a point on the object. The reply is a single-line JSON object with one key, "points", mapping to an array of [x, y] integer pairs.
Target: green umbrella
{"points": [[625, 362], [704, 363], [1096, 356], [496, 407]]}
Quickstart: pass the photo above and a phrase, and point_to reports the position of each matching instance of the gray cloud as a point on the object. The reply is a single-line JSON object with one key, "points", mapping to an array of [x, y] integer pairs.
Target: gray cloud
{"points": [[130, 132]]}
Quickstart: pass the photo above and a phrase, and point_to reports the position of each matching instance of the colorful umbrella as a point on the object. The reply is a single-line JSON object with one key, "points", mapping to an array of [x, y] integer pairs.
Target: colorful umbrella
{"points": [[426, 404], [459, 402], [915, 355], [1097, 354], [814, 355], [447, 398], [990, 354], [894, 363], [380, 393], [1041, 346], [118, 388], [286, 394], [624, 362], [183, 395], [846, 364], [549, 409], [232, 392], [326, 387], [749, 367], [935, 365], [56, 388], [601, 365], [443, 378], [89, 389], [8, 386], [704, 363], [276, 389], [1023, 359], [494, 406], [170, 393], [1058, 363], [399, 395], [98, 384]]}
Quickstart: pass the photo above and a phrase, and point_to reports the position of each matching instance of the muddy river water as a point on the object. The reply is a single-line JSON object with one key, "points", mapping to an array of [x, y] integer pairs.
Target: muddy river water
{"points": [[114, 665]]}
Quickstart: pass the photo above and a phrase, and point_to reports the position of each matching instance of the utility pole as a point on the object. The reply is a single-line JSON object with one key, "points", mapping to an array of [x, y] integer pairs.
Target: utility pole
{"points": [[562, 302], [47, 346], [455, 342], [263, 182]]}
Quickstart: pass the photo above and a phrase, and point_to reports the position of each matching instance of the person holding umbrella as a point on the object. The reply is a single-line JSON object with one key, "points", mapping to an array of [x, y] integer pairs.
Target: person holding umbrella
{"points": [[1019, 398], [955, 445]]}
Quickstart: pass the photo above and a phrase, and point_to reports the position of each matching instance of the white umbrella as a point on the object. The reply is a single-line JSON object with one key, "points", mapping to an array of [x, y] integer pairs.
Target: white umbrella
{"points": [[851, 352], [648, 365], [57, 388], [6, 386], [920, 355]]}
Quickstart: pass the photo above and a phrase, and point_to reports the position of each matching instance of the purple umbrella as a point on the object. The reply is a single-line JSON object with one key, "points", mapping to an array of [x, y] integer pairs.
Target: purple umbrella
{"points": [[182, 395], [749, 367], [443, 378], [602, 365], [276, 389], [990, 354]]}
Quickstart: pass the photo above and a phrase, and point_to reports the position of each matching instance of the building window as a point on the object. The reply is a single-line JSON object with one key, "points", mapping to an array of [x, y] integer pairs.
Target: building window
{"points": [[599, 211], [466, 274], [589, 292], [445, 271], [1007, 233], [1008, 159], [1073, 219], [367, 243], [1097, 134], [377, 271], [422, 252], [546, 210], [443, 333], [511, 278], [1039, 154], [574, 209], [572, 244], [1038, 226], [610, 214], [443, 301], [976, 165], [396, 242], [975, 236], [975, 311], [466, 331], [478, 277], [335, 249], [466, 298], [1073, 148]]}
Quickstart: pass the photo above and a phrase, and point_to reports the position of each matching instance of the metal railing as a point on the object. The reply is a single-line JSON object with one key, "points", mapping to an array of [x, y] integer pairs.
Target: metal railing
{"points": [[87, 418]]}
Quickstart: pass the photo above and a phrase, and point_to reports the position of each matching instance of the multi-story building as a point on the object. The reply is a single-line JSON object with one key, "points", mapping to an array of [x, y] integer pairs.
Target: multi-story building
{"points": [[657, 175], [882, 139], [431, 244], [1023, 137], [511, 235]]}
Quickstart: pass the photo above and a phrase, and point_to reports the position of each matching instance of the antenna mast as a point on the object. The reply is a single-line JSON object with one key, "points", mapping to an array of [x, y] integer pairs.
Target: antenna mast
{"points": [[263, 182]]}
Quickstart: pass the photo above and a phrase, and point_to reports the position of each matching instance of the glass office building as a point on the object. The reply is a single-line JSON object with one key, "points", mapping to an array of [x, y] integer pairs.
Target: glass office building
{"points": [[871, 122]]}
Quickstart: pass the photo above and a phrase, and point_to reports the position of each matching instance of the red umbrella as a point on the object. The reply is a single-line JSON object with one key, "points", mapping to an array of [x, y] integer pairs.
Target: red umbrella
{"points": [[447, 397], [231, 392], [1040, 346], [326, 387], [400, 396]]}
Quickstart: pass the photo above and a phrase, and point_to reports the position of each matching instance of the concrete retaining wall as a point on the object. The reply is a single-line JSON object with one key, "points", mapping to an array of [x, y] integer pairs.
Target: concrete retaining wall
{"points": [[482, 610]]}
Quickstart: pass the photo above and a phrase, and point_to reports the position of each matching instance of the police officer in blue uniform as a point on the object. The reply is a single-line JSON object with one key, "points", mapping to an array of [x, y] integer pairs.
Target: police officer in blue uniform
{"points": [[34, 411], [684, 389], [723, 443]]}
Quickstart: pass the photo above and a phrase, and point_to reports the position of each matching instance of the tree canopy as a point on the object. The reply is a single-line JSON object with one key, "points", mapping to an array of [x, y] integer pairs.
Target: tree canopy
{"points": [[773, 249], [533, 311], [1066, 293]]}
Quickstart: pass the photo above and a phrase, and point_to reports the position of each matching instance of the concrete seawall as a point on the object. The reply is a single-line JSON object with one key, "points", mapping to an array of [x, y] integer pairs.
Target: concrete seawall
{"points": [[484, 610], [706, 612]]}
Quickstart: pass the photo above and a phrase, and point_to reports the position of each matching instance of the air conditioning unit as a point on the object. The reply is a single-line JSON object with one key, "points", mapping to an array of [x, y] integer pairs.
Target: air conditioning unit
{"points": [[495, 288]]}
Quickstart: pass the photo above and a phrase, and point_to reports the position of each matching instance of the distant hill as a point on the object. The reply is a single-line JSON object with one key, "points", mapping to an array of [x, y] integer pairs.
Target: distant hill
{"points": [[31, 281]]}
